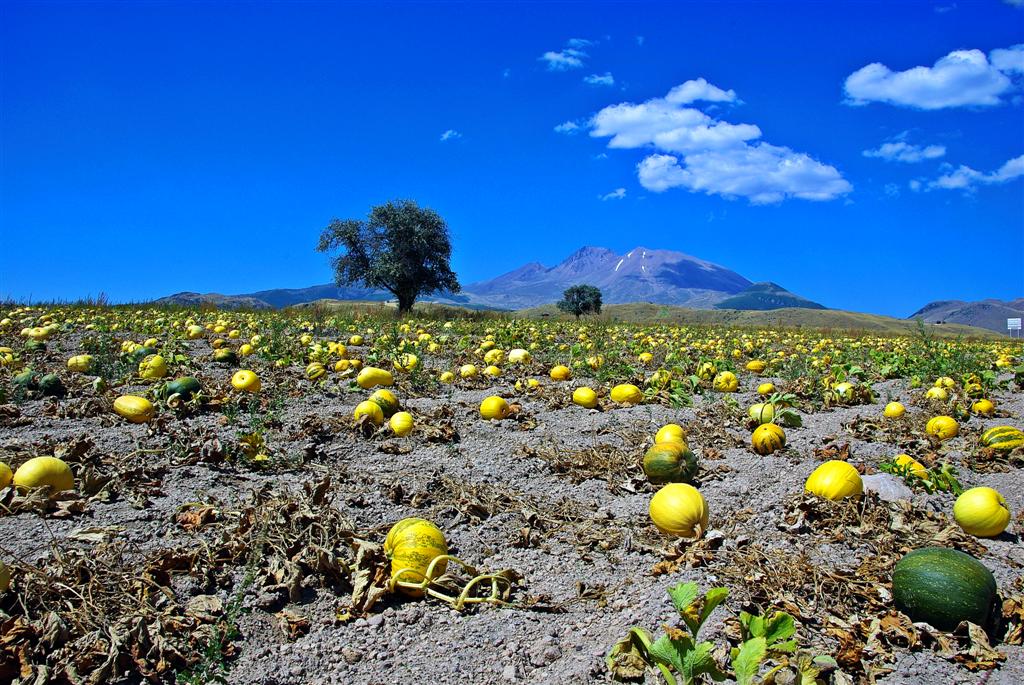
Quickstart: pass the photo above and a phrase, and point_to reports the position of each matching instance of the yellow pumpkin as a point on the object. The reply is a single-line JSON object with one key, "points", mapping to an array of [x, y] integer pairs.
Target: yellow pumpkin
{"points": [[942, 427], [371, 377], [894, 410], [915, 467], [937, 393], [469, 371], [584, 397], [726, 382], [389, 404], [762, 412], [134, 408], [626, 393], [355, 340], [560, 373], [401, 423], [982, 512], [406, 362], [768, 438], [80, 363], [766, 389], [371, 410], [757, 366], [835, 480], [670, 432], [153, 367], [679, 509], [315, 371], [41, 471], [447, 378], [245, 381], [6, 475], [494, 407], [983, 407], [411, 545]]}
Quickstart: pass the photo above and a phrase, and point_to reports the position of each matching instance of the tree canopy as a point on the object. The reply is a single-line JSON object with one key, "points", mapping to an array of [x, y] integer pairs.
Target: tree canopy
{"points": [[400, 247], [581, 299]]}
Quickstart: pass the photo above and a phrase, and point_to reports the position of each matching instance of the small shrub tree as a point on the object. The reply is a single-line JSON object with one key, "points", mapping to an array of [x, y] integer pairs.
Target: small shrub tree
{"points": [[581, 299]]}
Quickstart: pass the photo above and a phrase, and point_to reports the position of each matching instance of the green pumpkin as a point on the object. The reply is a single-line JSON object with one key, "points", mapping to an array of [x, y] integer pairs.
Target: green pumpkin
{"points": [[670, 462], [186, 387], [225, 356], [943, 587], [139, 354], [52, 386], [27, 380]]}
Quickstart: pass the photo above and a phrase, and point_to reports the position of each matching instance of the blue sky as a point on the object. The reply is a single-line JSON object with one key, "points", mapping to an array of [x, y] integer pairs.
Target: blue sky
{"points": [[864, 155]]}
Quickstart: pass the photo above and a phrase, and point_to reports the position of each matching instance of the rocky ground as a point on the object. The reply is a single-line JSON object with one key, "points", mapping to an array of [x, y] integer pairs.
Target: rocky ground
{"points": [[555, 495]]}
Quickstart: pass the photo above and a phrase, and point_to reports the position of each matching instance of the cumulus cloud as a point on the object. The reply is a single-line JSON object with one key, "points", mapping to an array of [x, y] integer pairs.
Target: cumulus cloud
{"points": [[616, 194], [702, 154], [568, 127], [1008, 60], [900, 151], [966, 178], [962, 78], [580, 43], [450, 134], [595, 80]]}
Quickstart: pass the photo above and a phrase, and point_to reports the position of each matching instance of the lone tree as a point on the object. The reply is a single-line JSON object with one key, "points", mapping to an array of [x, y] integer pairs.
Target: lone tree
{"points": [[581, 299], [400, 247]]}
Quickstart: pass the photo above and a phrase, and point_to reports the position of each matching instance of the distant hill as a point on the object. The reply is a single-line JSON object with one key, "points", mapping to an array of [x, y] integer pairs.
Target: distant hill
{"points": [[765, 296], [791, 317], [189, 299], [990, 314]]}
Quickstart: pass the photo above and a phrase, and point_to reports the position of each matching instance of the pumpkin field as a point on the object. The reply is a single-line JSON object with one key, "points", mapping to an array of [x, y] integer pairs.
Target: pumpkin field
{"points": [[343, 496]]}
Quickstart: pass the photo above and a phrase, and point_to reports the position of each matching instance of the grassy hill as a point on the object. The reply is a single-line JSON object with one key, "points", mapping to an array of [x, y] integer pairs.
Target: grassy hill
{"points": [[826, 319]]}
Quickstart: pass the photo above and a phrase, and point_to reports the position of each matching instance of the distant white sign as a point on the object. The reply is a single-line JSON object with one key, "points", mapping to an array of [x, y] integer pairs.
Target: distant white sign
{"points": [[1013, 324]]}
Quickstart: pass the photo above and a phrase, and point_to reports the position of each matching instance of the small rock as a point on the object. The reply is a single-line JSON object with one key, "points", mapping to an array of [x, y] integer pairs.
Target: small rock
{"points": [[509, 672], [351, 655], [887, 486], [375, 621]]}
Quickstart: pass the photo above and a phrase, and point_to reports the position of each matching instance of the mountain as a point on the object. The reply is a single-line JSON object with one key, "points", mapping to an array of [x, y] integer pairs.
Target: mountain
{"points": [[640, 275], [189, 299], [990, 314], [765, 296]]}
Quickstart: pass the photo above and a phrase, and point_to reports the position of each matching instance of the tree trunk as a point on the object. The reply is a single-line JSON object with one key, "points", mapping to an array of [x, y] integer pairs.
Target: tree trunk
{"points": [[405, 303]]}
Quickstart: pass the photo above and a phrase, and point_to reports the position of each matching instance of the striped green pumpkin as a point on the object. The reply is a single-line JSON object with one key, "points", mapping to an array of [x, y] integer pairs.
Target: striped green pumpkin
{"points": [[670, 462], [1003, 438], [411, 545]]}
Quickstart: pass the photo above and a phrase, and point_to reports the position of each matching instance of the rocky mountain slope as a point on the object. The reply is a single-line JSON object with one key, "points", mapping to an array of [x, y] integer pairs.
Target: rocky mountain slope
{"points": [[991, 314]]}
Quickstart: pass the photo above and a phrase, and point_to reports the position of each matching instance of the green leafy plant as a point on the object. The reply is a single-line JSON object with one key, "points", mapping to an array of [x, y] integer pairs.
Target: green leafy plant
{"points": [[677, 651], [940, 479]]}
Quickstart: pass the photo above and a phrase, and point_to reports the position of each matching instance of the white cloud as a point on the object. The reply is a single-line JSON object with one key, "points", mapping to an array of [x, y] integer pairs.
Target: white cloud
{"points": [[564, 60], [966, 178], [450, 134], [640, 39], [699, 89], [892, 190], [580, 43], [1015, 3], [568, 127], [901, 151], [1008, 60], [702, 154], [763, 173], [962, 78], [595, 80], [617, 194], [915, 185], [506, 73]]}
